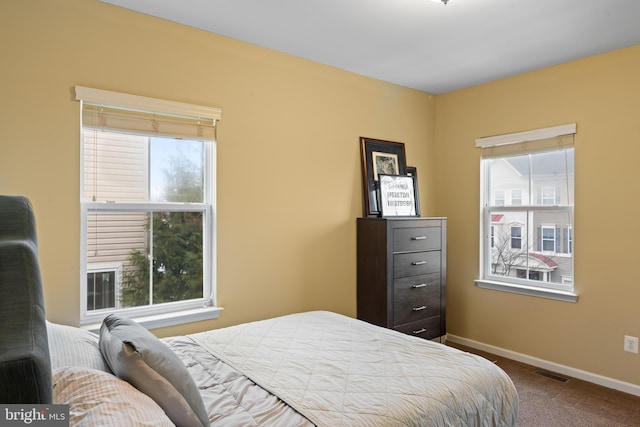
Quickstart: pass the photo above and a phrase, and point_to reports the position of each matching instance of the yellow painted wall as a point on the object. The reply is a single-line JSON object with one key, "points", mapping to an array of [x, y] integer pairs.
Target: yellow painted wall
{"points": [[289, 180], [601, 95]]}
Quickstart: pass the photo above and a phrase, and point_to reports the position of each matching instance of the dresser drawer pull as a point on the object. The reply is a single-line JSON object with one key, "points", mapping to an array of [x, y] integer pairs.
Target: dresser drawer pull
{"points": [[419, 238], [419, 331], [422, 307], [418, 262], [421, 285]]}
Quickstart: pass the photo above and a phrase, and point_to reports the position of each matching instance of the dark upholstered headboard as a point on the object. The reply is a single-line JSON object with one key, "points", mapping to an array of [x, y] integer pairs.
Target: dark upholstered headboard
{"points": [[25, 365]]}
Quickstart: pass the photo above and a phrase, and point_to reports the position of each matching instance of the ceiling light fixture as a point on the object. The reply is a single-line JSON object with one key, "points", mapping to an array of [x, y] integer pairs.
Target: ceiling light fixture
{"points": [[441, 1]]}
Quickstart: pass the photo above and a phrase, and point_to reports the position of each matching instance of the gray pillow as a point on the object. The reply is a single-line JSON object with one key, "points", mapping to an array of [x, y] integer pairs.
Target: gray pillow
{"points": [[138, 357]]}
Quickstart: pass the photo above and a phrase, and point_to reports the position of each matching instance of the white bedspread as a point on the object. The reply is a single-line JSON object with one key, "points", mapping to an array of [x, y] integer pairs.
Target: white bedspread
{"points": [[339, 371]]}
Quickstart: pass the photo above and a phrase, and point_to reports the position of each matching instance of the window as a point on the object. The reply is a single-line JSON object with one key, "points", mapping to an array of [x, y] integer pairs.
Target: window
{"points": [[516, 237], [493, 233], [568, 240], [548, 196], [548, 236], [516, 197], [148, 206], [526, 246], [101, 289]]}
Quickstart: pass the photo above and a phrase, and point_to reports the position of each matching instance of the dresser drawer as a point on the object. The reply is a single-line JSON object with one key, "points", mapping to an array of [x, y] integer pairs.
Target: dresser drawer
{"points": [[416, 263], [416, 239], [416, 298], [427, 328]]}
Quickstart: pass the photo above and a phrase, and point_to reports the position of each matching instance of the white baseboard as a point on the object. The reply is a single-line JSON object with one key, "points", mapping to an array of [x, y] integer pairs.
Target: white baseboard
{"points": [[550, 366]]}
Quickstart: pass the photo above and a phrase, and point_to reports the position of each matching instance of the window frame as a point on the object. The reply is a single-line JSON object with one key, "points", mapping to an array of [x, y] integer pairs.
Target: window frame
{"points": [[163, 314], [564, 291]]}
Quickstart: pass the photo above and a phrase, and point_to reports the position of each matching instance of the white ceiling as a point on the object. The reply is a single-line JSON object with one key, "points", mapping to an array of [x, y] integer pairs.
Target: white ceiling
{"points": [[419, 44]]}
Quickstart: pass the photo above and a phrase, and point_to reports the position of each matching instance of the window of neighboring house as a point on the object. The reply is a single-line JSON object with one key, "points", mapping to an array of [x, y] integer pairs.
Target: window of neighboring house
{"points": [[101, 289], [499, 198], [568, 240], [528, 258], [516, 237], [516, 197], [148, 204], [548, 236], [548, 196], [493, 233]]}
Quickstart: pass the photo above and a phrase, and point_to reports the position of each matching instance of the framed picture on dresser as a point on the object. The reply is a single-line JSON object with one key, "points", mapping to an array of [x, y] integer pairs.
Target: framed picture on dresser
{"points": [[412, 171], [379, 157], [397, 195]]}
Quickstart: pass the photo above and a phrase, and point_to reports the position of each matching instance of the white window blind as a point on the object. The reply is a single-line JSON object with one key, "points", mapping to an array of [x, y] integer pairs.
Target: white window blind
{"points": [[107, 110], [553, 138]]}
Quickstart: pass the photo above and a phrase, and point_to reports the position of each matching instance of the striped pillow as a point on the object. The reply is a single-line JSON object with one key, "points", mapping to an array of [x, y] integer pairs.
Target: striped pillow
{"points": [[100, 398]]}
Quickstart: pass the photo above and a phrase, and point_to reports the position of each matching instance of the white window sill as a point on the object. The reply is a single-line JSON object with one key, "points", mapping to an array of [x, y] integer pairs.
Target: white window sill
{"points": [[169, 319], [527, 290]]}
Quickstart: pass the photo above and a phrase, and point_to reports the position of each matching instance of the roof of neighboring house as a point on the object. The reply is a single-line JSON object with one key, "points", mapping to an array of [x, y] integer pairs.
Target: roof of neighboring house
{"points": [[544, 259], [535, 261], [496, 217]]}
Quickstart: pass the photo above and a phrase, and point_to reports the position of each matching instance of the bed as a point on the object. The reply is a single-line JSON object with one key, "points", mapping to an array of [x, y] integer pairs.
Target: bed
{"points": [[303, 369]]}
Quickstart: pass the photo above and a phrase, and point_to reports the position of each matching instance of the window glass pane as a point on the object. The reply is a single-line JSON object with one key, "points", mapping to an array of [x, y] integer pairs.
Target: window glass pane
{"points": [[115, 166], [176, 170], [509, 241], [510, 172], [160, 254], [523, 247], [116, 238], [177, 256], [550, 173], [134, 168], [112, 236]]}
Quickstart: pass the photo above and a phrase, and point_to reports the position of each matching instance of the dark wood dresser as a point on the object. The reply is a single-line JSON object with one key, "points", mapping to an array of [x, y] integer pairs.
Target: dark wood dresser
{"points": [[402, 274]]}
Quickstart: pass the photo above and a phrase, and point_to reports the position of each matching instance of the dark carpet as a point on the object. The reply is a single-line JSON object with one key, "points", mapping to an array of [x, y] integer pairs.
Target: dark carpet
{"points": [[548, 399]]}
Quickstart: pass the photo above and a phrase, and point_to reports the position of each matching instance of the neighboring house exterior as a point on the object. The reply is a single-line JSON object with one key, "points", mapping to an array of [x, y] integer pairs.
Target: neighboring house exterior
{"points": [[547, 248], [111, 236]]}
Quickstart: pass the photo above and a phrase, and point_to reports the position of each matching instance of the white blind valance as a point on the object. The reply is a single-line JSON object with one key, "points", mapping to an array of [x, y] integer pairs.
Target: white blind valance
{"points": [[553, 138], [137, 114]]}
